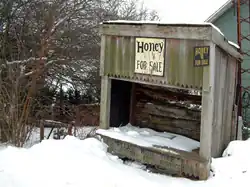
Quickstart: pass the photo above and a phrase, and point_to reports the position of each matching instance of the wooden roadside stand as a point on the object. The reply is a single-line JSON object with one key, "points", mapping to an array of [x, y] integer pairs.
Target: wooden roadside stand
{"points": [[149, 62]]}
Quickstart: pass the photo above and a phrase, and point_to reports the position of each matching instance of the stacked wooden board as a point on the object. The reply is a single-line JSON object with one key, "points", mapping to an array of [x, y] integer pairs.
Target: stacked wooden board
{"points": [[165, 110]]}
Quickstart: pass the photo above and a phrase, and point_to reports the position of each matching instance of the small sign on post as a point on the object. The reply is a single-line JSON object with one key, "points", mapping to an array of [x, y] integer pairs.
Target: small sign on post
{"points": [[150, 56], [201, 56]]}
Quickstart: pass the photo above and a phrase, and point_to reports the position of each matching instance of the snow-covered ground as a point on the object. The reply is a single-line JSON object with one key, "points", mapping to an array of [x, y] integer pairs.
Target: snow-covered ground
{"points": [[78, 163], [81, 133], [148, 138]]}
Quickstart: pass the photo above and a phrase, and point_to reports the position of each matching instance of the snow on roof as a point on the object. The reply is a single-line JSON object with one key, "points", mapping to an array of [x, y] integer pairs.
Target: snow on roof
{"points": [[194, 24], [234, 44], [220, 11]]}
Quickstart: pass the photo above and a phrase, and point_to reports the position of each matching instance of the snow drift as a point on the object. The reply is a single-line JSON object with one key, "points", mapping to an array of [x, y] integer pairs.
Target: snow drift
{"points": [[76, 163]]}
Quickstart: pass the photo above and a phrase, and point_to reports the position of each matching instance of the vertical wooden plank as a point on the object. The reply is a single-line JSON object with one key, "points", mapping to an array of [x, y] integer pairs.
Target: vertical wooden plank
{"points": [[107, 55], [223, 100], [207, 113], [118, 56], [235, 120], [124, 56], [176, 62], [216, 128], [131, 63], [184, 63], [189, 62], [102, 55], [231, 99], [105, 102], [132, 104], [226, 126], [173, 59], [168, 64], [113, 52]]}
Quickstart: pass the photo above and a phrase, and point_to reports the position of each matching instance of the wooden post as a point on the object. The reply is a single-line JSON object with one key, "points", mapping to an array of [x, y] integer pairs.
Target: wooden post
{"points": [[77, 121], [207, 112], [70, 129], [132, 104], [41, 131], [105, 102]]}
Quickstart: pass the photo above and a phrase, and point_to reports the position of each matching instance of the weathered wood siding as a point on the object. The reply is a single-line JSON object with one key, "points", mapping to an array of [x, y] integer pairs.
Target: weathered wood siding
{"points": [[214, 126], [157, 110], [223, 127], [119, 62]]}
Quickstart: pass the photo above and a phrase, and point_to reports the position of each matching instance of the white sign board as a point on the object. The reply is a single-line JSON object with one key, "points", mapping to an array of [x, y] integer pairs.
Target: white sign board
{"points": [[149, 56]]}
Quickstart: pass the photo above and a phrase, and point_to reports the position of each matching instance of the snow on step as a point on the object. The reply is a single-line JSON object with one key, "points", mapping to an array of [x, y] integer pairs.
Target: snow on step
{"points": [[148, 138]]}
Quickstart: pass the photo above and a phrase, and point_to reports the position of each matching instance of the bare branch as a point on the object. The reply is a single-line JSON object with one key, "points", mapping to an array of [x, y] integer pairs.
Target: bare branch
{"points": [[31, 59]]}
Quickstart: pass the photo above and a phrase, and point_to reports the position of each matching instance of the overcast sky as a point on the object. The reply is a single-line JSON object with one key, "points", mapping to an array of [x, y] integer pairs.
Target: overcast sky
{"points": [[184, 10]]}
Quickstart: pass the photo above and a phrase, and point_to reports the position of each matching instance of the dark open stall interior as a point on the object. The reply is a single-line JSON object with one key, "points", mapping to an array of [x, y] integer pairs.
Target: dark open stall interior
{"points": [[120, 102], [158, 108]]}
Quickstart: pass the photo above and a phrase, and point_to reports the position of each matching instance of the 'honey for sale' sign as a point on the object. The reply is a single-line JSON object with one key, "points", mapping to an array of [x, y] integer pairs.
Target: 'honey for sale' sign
{"points": [[201, 56], [149, 56]]}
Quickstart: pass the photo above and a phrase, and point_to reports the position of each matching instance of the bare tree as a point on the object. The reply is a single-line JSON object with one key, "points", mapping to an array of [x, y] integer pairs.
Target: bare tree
{"points": [[46, 43]]}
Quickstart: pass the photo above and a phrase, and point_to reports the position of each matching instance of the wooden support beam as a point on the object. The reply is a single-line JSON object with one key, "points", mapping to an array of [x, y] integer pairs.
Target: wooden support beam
{"points": [[207, 113], [105, 102]]}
